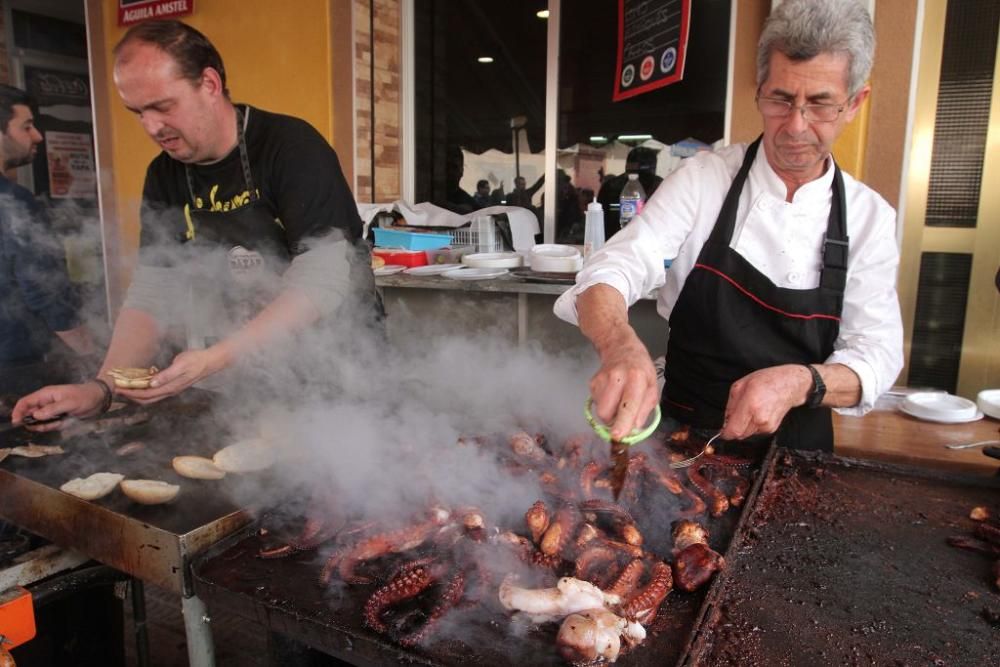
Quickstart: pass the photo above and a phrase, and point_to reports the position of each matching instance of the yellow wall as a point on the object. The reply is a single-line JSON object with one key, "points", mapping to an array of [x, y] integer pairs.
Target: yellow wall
{"points": [[277, 57]]}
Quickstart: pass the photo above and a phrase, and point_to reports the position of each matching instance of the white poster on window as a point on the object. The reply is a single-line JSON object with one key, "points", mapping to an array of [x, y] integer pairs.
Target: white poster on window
{"points": [[71, 165]]}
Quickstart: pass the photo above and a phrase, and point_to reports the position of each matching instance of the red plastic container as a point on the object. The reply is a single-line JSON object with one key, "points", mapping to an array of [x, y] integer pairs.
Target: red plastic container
{"points": [[403, 257]]}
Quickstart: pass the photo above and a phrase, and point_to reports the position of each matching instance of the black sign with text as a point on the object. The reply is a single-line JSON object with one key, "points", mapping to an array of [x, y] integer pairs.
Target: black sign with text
{"points": [[652, 44]]}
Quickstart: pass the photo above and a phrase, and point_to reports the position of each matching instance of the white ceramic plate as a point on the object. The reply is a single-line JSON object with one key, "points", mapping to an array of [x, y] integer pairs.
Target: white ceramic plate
{"points": [[940, 407], [493, 260], [432, 269], [988, 401], [389, 269], [475, 273]]}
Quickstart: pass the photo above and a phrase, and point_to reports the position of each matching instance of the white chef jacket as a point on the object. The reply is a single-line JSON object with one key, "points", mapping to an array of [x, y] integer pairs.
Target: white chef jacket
{"points": [[783, 240]]}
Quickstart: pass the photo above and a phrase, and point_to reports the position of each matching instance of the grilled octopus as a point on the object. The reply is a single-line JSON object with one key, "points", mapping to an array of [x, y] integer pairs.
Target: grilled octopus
{"points": [[694, 561]]}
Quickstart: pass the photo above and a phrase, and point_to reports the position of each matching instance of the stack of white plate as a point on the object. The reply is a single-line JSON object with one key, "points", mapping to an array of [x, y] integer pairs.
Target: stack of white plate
{"points": [[492, 260], [555, 258], [988, 401], [940, 407]]}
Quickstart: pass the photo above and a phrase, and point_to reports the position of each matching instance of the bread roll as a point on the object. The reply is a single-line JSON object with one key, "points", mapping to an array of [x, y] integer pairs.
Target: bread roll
{"points": [[149, 491], [246, 456], [33, 451], [96, 486], [377, 262], [133, 378], [197, 467]]}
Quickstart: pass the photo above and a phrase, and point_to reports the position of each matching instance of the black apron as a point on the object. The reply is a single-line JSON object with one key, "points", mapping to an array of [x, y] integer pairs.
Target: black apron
{"points": [[244, 248], [731, 320]]}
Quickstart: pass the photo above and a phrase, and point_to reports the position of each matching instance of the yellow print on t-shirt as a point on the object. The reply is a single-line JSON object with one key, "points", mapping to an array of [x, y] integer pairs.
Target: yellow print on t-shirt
{"points": [[215, 206]]}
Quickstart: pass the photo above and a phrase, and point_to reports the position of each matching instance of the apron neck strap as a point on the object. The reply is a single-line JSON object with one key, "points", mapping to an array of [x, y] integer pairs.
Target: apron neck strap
{"points": [[726, 222], [241, 128], [835, 249]]}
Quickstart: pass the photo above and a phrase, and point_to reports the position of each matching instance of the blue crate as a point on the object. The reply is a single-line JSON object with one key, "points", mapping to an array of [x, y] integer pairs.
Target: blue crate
{"points": [[393, 238]]}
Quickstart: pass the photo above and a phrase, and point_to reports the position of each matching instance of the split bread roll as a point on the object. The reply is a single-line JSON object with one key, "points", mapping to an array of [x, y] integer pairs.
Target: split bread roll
{"points": [[149, 491], [133, 378], [246, 456], [33, 451], [197, 467], [96, 486]]}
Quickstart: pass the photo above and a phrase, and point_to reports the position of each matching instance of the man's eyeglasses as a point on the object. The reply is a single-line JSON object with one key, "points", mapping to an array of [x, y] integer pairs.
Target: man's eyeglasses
{"points": [[775, 107]]}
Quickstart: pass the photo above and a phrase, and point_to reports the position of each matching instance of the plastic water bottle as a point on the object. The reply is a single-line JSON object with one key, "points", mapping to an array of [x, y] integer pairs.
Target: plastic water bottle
{"points": [[593, 231], [632, 199]]}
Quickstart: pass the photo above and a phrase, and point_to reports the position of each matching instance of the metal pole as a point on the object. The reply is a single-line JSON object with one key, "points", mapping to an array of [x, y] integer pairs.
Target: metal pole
{"points": [[201, 649], [139, 618]]}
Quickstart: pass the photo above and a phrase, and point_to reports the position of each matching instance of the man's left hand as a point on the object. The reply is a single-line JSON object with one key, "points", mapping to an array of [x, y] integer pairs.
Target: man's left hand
{"points": [[759, 401], [187, 368]]}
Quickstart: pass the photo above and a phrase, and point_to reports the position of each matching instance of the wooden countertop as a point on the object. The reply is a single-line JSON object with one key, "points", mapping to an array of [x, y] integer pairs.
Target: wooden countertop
{"points": [[890, 435]]}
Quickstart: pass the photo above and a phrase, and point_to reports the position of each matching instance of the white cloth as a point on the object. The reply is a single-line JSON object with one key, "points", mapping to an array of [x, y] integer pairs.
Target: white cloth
{"points": [[783, 240]]}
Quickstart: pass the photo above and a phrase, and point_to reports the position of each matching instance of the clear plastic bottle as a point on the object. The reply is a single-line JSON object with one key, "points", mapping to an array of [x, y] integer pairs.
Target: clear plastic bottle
{"points": [[593, 231], [632, 199]]}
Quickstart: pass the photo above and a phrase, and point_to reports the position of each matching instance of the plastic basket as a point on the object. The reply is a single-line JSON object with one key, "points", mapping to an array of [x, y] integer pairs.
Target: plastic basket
{"points": [[394, 238], [479, 241]]}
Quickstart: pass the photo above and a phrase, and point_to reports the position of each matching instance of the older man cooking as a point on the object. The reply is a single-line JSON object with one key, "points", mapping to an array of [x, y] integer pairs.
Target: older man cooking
{"points": [[247, 222], [781, 297]]}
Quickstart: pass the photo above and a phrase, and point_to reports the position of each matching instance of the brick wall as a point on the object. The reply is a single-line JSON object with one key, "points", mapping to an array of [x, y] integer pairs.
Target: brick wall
{"points": [[382, 113]]}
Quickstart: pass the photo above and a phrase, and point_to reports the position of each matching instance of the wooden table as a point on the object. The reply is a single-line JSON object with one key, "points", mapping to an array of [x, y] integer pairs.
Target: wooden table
{"points": [[890, 435]]}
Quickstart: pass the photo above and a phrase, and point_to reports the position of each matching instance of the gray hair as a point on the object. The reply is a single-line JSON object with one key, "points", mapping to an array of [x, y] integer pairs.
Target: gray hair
{"points": [[803, 29]]}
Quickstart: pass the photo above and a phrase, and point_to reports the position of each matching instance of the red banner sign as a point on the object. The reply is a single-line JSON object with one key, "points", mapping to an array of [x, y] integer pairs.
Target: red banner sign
{"points": [[652, 43], [136, 11]]}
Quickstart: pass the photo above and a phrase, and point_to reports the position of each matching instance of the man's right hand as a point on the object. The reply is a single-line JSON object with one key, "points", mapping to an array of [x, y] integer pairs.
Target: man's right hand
{"points": [[74, 400], [624, 389]]}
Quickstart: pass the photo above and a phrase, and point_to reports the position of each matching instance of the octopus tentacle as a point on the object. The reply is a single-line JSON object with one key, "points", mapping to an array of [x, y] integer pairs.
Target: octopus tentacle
{"points": [[276, 552], [450, 597], [537, 518], [588, 477], [404, 586], [644, 604], [718, 502], [625, 583], [382, 544], [560, 533], [591, 558], [621, 521]]}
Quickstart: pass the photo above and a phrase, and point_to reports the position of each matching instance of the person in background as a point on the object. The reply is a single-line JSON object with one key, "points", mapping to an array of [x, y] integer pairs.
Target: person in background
{"points": [[569, 214], [457, 200], [640, 160], [38, 304], [781, 299], [521, 195], [244, 209], [482, 197]]}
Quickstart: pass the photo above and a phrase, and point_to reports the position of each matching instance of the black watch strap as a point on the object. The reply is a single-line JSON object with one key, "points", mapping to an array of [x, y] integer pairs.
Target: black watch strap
{"points": [[818, 391]]}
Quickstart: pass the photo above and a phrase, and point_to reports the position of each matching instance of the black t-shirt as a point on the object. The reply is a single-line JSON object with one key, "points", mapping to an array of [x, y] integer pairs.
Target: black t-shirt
{"points": [[295, 171]]}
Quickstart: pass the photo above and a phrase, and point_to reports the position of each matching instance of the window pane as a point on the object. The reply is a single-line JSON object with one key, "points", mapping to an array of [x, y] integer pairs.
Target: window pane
{"points": [[691, 108], [465, 109]]}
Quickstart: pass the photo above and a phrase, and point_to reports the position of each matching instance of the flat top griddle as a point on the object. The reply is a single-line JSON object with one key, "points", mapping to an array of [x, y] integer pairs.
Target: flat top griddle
{"points": [[152, 542], [845, 562], [283, 595]]}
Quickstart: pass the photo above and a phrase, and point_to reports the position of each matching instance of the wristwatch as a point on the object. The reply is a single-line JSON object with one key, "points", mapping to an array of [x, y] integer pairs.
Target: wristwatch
{"points": [[815, 397]]}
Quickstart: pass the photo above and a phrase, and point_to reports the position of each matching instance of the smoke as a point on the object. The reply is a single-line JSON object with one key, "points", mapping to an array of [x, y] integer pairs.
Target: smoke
{"points": [[52, 260]]}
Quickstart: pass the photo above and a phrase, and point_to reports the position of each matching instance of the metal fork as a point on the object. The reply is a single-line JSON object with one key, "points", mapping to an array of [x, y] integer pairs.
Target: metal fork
{"points": [[686, 463]]}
